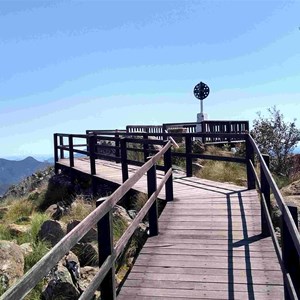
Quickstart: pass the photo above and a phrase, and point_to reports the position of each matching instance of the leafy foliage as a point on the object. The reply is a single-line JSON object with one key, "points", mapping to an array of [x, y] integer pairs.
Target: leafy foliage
{"points": [[277, 138]]}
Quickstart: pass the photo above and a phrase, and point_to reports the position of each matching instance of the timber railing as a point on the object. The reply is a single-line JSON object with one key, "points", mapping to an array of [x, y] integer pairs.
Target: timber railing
{"points": [[148, 149], [289, 252], [187, 153], [207, 126], [102, 216]]}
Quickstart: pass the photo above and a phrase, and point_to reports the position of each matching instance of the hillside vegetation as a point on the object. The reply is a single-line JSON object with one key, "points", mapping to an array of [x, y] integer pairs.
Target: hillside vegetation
{"points": [[32, 223]]}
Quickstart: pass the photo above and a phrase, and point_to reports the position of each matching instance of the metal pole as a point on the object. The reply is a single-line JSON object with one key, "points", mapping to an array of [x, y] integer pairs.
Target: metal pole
{"points": [[201, 107]]}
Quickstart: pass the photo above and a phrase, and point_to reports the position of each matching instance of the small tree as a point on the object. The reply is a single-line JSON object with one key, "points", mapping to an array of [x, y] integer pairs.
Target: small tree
{"points": [[277, 138]]}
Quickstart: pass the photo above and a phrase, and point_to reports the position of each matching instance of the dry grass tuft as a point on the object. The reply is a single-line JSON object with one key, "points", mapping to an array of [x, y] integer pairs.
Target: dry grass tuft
{"points": [[80, 209]]}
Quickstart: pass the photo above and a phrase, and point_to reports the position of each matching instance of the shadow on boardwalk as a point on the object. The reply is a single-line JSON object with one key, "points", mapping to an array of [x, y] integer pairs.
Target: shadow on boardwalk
{"points": [[209, 247]]}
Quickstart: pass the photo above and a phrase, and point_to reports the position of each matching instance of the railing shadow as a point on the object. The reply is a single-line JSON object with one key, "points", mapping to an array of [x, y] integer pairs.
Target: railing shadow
{"points": [[245, 242], [232, 243]]}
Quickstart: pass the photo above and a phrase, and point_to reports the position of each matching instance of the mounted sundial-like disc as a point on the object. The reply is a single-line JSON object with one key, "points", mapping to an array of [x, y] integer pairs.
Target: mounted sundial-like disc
{"points": [[201, 90]]}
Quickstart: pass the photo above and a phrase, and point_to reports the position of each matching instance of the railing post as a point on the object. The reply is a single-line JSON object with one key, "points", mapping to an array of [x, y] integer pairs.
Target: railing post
{"points": [[169, 182], [250, 157], [124, 159], [117, 145], [55, 153], [61, 143], [265, 190], [92, 145], [71, 151], [290, 255], [188, 152], [145, 148], [105, 249], [153, 211]]}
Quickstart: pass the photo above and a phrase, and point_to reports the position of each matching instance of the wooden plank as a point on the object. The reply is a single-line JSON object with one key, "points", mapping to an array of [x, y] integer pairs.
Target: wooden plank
{"points": [[209, 286], [196, 294], [239, 277], [260, 265], [228, 251], [238, 274]]}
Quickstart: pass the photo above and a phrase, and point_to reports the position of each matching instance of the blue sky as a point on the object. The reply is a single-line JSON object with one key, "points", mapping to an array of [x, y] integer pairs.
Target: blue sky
{"points": [[67, 66]]}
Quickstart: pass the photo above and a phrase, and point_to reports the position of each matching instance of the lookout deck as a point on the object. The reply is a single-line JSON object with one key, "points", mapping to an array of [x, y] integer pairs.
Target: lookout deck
{"points": [[209, 244]]}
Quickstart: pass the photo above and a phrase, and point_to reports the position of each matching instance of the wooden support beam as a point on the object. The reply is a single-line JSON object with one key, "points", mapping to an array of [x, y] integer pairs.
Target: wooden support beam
{"points": [[153, 211], [290, 254], [105, 248], [265, 190]]}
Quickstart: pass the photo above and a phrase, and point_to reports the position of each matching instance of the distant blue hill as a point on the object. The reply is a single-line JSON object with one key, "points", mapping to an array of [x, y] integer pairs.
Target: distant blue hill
{"points": [[13, 171], [297, 150]]}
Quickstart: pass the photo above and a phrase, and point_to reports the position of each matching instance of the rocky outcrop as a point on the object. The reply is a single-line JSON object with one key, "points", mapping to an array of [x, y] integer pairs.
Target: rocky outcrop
{"points": [[87, 253], [291, 194], [12, 263], [29, 184], [291, 189], [63, 279], [90, 236], [17, 230], [56, 211], [51, 231]]}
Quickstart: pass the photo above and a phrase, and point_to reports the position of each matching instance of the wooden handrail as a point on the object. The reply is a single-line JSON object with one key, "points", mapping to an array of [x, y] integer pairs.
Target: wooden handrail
{"points": [[121, 138], [291, 230], [42, 267]]}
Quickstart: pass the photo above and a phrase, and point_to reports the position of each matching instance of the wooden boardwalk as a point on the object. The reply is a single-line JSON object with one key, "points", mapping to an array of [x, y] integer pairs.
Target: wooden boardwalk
{"points": [[209, 245]]}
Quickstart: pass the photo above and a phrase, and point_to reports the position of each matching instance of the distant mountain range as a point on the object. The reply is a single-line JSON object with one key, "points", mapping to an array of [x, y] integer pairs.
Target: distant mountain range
{"points": [[12, 171]]}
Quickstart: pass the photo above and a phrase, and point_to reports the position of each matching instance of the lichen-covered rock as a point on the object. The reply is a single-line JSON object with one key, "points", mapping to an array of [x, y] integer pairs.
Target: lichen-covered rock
{"points": [[87, 274], [12, 263], [121, 212], [26, 248], [51, 231], [90, 236]]}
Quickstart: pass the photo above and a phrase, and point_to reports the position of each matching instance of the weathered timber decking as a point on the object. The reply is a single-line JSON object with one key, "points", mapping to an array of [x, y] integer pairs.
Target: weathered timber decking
{"points": [[209, 244]]}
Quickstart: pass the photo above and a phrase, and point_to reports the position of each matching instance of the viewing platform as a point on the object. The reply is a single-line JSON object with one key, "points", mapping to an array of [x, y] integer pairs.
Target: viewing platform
{"points": [[212, 240]]}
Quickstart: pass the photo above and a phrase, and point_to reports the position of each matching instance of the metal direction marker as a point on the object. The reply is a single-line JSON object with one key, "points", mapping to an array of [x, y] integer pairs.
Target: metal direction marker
{"points": [[201, 91]]}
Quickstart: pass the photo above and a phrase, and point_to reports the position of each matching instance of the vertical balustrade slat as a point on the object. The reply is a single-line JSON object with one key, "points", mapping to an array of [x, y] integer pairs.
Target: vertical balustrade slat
{"points": [[265, 190], [290, 255], [105, 248], [188, 151], [71, 151], [124, 159], [153, 212], [169, 182], [250, 157]]}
